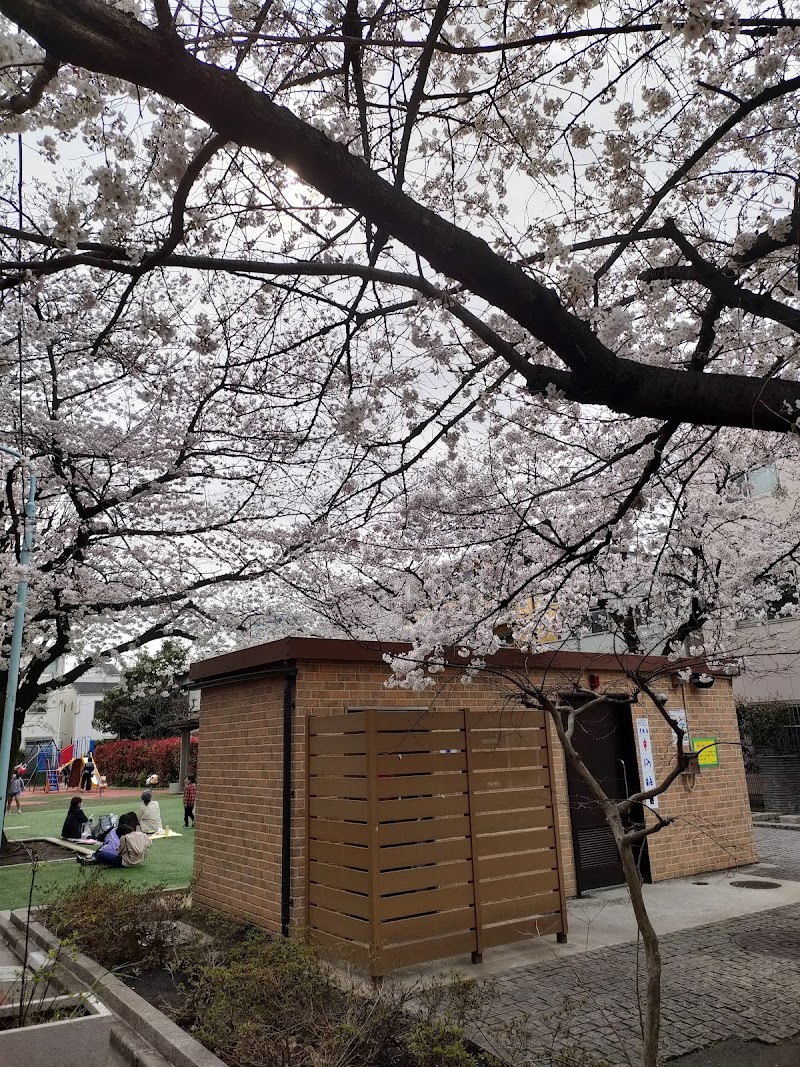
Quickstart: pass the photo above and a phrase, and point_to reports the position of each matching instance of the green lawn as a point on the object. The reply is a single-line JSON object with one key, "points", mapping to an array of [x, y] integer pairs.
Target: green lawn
{"points": [[169, 861]]}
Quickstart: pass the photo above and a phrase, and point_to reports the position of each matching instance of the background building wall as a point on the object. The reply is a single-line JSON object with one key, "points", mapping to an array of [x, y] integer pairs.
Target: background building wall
{"points": [[67, 714]]}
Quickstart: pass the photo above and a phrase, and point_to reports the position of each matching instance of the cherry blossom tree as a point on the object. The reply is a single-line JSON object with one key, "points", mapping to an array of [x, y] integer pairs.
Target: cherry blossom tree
{"points": [[167, 465], [537, 265], [499, 300]]}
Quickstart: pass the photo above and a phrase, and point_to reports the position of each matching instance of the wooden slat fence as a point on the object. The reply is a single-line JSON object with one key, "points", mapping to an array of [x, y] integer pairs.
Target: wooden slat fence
{"points": [[430, 834]]}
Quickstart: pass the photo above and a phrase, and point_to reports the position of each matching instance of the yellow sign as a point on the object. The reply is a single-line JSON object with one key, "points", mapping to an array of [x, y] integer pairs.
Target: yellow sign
{"points": [[706, 749]]}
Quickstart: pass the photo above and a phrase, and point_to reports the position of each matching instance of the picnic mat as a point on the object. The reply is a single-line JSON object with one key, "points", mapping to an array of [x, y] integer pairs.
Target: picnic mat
{"points": [[163, 833]]}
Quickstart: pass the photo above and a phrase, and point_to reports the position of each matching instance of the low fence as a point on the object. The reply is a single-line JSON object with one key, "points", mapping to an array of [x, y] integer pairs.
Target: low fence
{"points": [[430, 834], [755, 790]]}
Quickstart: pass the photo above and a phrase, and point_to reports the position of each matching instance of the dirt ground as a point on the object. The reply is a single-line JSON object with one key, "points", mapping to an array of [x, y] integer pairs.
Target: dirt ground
{"points": [[45, 850]]}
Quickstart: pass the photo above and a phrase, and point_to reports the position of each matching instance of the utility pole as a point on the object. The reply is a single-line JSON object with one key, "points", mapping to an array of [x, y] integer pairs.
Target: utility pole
{"points": [[16, 634]]}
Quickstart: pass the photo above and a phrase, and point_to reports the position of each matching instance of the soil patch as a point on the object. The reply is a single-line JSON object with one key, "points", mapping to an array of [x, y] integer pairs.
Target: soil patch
{"points": [[227, 933], [21, 852], [159, 987]]}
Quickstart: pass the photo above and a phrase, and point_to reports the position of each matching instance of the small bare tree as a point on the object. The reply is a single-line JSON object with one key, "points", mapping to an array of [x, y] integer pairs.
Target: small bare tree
{"points": [[558, 701]]}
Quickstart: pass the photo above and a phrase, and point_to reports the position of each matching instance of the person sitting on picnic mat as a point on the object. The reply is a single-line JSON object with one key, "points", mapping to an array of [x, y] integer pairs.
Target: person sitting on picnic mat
{"points": [[150, 814], [75, 821], [109, 850], [130, 848]]}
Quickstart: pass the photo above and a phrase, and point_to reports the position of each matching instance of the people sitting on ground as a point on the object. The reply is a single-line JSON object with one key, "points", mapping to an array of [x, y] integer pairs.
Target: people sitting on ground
{"points": [[124, 845], [108, 852], [130, 820], [133, 848], [75, 821], [150, 814]]}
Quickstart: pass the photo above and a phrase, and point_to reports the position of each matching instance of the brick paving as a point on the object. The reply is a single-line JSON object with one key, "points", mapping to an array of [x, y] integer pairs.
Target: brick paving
{"points": [[739, 978], [778, 853]]}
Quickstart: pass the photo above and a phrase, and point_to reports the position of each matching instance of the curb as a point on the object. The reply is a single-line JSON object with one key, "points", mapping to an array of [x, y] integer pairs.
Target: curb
{"points": [[777, 826], [147, 1022]]}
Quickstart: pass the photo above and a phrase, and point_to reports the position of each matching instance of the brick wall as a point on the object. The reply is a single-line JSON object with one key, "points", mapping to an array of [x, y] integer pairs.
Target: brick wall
{"points": [[241, 767], [713, 827], [237, 862]]}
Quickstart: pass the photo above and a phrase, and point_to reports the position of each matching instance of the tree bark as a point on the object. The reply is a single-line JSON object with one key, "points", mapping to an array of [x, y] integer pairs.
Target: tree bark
{"points": [[651, 1018]]}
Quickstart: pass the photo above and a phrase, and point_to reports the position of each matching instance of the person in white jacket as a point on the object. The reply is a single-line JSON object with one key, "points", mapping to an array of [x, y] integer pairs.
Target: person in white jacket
{"points": [[149, 814]]}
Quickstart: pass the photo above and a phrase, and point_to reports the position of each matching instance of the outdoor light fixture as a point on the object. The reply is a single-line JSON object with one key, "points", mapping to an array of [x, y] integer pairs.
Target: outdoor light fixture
{"points": [[701, 681]]}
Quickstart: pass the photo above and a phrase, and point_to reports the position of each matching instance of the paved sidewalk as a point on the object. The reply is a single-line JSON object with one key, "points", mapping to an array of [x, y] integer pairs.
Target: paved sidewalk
{"points": [[713, 989], [779, 854], [734, 979]]}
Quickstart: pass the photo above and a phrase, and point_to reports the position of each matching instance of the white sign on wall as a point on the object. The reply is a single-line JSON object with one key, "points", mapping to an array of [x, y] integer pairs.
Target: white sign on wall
{"points": [[678, 715], [646, 759]]}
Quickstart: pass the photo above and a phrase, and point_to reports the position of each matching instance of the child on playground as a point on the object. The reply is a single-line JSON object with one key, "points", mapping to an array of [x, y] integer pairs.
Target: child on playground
{"points": [[87, 773], [15, 787]]}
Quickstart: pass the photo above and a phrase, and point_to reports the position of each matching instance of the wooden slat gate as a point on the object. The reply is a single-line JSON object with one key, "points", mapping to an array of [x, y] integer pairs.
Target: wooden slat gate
{"points": [[430, 834]]}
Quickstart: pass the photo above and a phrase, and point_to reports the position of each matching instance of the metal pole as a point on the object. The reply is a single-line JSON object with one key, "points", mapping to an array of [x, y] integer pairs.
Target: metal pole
{"points": [[16, 638]]}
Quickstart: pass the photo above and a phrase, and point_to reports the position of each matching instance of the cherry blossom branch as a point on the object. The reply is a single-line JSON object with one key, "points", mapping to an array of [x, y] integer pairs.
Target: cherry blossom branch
{"points": [[727, 292], [755, 27], [93, 35], [747, 107], [22, 102], [417, 93]]}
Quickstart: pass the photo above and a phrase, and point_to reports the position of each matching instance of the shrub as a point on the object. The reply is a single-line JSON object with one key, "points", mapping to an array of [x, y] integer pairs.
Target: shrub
{"points": [[130, 762], [439, 1045], [114, 924], [277, 1005], [262, 1008]]}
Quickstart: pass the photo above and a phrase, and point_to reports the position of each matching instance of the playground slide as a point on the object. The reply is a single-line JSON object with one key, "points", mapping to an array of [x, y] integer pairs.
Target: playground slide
{"points": [[76, 770]]}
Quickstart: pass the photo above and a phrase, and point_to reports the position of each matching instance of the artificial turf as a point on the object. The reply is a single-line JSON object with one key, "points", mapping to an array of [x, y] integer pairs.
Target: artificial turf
{"points": [[169, 860]]}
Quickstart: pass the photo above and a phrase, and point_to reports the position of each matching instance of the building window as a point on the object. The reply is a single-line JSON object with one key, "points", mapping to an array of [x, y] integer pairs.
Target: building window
{"points": [[598, 621], [760, 481]]}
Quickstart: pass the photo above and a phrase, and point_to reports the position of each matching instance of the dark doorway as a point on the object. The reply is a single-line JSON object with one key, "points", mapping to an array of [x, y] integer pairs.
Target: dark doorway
{"points": [[604, 739]]}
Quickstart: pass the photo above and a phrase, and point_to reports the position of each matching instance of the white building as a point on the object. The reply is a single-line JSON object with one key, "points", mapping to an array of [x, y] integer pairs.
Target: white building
{"points": [[66, 715]]}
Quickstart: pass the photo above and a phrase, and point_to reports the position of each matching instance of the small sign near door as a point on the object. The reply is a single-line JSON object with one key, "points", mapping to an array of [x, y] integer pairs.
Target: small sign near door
{"points": [[707, 751], [646, 759], [678, 715]]}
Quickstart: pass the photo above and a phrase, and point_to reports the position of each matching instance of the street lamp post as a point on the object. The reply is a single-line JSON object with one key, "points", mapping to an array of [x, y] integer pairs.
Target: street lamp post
{"points": [[16, 636]]}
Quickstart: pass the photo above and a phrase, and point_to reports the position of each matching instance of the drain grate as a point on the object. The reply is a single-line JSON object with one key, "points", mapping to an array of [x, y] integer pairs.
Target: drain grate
{"points": [[755, 883], [781, 942]]}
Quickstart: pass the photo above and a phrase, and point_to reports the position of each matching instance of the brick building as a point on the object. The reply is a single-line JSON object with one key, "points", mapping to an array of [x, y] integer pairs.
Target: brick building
{"points": [[251, 851]]}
